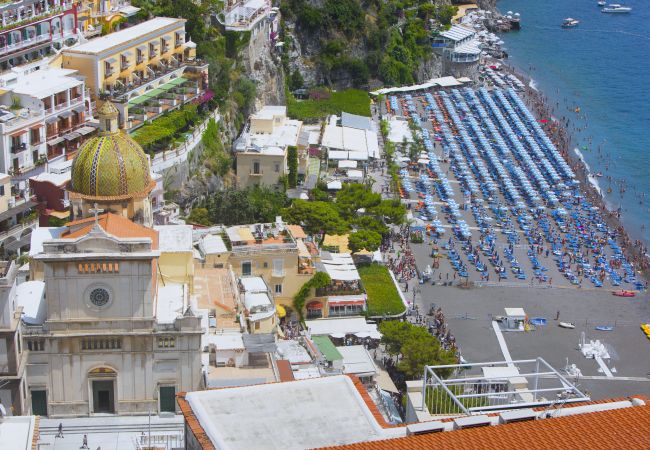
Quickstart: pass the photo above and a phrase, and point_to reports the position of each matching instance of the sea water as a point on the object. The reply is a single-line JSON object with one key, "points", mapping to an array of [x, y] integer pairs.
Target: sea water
{"points": [[603, 67]]}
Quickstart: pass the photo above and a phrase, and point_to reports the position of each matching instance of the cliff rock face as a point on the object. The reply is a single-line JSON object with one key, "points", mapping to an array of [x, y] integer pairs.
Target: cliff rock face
{"points": [[264, 68]]}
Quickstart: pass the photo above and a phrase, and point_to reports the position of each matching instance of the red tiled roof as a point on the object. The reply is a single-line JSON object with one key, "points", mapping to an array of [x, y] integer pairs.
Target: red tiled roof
{"points": [[625, 428], [113, 224], [284, 369]]}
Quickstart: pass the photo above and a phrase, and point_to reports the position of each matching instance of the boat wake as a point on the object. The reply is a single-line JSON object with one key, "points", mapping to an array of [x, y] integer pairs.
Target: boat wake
{"points": [[532, 84]]}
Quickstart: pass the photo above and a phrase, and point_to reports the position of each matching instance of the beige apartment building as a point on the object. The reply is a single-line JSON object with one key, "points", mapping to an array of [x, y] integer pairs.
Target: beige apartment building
{"points": [[275, 252], [150, 68], [261, 150]]}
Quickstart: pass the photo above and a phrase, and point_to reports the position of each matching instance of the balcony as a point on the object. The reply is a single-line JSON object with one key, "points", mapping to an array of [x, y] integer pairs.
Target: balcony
{"points": [[278, 273], [256, 173], [18, 148], [150, 76]]}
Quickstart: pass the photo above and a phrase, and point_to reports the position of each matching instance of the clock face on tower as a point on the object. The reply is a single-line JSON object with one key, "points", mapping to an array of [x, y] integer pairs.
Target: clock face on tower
{"points": [[99, 297]]}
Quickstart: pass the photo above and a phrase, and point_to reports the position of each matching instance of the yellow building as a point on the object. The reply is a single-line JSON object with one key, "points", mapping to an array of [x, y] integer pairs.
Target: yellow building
{"points": [[261, 150], [275, 252], [150, 67], [92, 15]]}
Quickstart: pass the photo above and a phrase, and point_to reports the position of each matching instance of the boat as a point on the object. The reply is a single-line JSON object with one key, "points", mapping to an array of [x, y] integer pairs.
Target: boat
{"points": [[615, 8], [604, 328], [624, 293], [568, 325], [602, 3], [570, 23]]}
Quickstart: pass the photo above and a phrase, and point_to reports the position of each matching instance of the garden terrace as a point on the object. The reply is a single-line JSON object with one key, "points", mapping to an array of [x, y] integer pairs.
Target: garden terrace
{"points": [[383, 297]]}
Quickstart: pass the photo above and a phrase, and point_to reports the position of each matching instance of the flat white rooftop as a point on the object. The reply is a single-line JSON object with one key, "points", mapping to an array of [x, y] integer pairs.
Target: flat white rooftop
{"points": [[17, 433], [99, 45], [171, 301], [44, 83], [174, 238], [301, 414]]}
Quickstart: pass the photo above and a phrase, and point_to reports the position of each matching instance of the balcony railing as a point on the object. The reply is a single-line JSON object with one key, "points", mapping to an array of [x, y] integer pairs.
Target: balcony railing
{"points": [[19, 148], [256, 173]]}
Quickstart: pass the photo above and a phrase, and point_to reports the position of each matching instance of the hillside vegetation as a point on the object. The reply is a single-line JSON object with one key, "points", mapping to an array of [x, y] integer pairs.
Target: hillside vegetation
{"points": [[360, 40]]}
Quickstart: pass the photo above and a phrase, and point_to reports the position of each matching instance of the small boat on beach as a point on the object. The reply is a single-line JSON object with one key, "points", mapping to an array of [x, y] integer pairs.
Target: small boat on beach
{"points": [[615, 8], [624, 293], [568, 325], [570, 23]]}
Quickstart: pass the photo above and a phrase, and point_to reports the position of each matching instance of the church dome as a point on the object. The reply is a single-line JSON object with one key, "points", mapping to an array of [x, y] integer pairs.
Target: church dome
{"points": [[111, 165]]}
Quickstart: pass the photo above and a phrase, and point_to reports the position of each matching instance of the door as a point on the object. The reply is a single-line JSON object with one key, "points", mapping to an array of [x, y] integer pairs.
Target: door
{"points": [[103, 397], [167, 399], [39, 403]]}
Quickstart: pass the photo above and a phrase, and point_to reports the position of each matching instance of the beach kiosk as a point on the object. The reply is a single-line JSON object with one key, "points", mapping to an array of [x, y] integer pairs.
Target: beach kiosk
{"points": [[515, 318]]}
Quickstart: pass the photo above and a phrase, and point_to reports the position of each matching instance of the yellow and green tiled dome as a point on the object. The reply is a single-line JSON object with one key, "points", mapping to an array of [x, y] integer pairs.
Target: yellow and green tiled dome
{"points": [[110, 165]]}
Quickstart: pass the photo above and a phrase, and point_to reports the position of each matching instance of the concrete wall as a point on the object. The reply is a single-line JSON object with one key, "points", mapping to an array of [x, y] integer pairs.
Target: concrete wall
{"points": [[178, 268]]}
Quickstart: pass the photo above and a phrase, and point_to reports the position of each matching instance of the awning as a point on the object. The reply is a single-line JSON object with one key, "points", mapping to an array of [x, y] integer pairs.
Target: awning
{"points": [[127, 53], [79, 109], [141, 47], [155, 43], [280, 311], [60, 214], [55, 141], [51, 119], [345, 300], [166, 38], [65, 114], [19, 133], [315, 305], [86, 130], [111, 60], [72, 136]]}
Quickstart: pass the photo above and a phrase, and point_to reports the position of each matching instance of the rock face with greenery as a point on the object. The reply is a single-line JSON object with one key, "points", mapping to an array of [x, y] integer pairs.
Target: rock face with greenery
{"points": [[353, 42]]}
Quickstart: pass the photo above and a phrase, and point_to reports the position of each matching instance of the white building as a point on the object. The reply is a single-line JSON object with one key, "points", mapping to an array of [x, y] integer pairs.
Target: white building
{"points": [[118, 337], [12, 352], [461, 50], [43, 113], [349, 142], [248, 15], [257, 306], [262, 148]]}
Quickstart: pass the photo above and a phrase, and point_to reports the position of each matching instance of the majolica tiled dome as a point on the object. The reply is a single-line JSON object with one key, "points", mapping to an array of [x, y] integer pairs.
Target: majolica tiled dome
{"points": [[112, 164]]}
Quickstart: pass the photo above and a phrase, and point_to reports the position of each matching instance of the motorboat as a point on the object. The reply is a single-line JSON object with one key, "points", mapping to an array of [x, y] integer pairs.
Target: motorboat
{"points": [[615, 8], [624, 293], [568, 325], [602, 3], [570, 23]]}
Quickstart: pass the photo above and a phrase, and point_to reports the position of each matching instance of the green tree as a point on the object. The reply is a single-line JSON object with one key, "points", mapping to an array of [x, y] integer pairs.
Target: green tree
{"points": [[370, 223], [292, 162], [391, 211], [319, 280], [364, 240], [296, 81], [199, 216], [417, 352], [355, 196], [393, 335], [317, 218]]}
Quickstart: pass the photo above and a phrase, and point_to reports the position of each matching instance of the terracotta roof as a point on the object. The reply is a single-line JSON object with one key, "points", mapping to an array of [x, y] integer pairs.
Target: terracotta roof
{"points": [[113, 224], [296, 231], [600, 430], [284, 369]]}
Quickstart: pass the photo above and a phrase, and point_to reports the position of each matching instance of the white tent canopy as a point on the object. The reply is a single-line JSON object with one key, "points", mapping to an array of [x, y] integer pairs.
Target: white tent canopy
{"points": [[341, 267]]}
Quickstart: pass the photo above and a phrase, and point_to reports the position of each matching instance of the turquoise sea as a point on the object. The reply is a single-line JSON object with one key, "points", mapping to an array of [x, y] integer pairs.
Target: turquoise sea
{"points": [[602, 66]]}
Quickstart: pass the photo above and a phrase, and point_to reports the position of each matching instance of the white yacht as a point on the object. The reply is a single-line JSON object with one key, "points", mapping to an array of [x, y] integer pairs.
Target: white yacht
{"points": [[615, 8]]}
